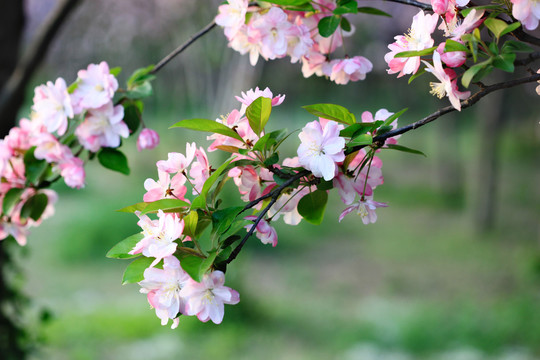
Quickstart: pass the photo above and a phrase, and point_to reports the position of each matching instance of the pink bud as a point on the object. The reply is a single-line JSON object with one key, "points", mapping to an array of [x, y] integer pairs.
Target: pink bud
{"points": [[148, 139]]}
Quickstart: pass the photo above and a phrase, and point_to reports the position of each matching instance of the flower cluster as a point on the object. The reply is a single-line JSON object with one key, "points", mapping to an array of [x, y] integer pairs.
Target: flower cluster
{"points": [[272, 33]]}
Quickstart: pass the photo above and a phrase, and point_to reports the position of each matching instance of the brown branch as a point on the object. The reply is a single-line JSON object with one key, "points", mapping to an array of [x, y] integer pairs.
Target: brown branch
{"points": [[529, 59], [417, 4], [274, 194], [470, 101], [30, 61], [523, 36], [183, 47]]}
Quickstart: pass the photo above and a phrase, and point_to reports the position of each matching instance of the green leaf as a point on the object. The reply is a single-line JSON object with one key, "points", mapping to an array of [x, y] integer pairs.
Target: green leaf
{"points": [[135, 270], [115, 71], [167, 205], [258, 113], [325, 185], [196, 267], [452, 45], [345, 24], [415, 53], [356, 129], [391, 119], [312, 206], [139, 76], [121, 250], [511, 27], [113, 159], [11, 198], [372, 11], [33, 167], [505, 62], [190, 224], [200, 201], [207, 125], [132, 115], [350, 7], [417, 74], [470, 73], [512, 46], [135, 207], [71, 89], [496, 26], [466, 11], [271, 160], [140, 91], [331, 112], [35, 206], [328, 25], [289, 2], [362, 139], [223, 219], [404, 149], [270, 139]]}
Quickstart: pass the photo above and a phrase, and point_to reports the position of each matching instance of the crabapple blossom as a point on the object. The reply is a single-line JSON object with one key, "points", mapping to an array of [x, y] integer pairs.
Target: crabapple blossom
{"points": [[95, 87], [148, 139], [527, 11], [321, 149], [177, 162], [253, 94], [165, 187], [102, 127], [52, 106], [365, 208], [200, 171], [264, 231], [452, 58], [273, 29], [207, 298], [159, 236], [458, 28], [232, 16], [418, 38], [163, 286], [352, 69], [72, 170], [447, 85]]}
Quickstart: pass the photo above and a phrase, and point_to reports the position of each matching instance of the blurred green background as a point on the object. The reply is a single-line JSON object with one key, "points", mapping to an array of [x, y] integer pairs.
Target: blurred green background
{"points": [[451, 269]]}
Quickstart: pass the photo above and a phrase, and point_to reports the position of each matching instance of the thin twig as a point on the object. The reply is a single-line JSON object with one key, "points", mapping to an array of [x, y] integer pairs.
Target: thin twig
{"points": [[529, 59], [182, 47], [418, 4]]}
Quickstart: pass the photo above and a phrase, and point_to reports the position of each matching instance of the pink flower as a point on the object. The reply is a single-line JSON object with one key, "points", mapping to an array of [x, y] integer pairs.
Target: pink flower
{"points": [[240, 124], [49, 148], [163, 289], [177, 162], [264, 231], [452, 58], [96, 87], [365, 208], [159, 236], [527, 11], [247, 40], [165, 187], [232, 16], [73, 172], [148, 139], [200, 171], [251, 95], [382, 115], [18, 231], [458, 28], [299, 41], [52, 106], [320, 149], [418, 38], [447, 86], [352, 69], [274, 30], [102, 127], [207, 298]]}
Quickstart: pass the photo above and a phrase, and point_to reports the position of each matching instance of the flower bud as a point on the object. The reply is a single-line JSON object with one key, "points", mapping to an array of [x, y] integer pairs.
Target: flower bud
{"points": [[148, 139]]}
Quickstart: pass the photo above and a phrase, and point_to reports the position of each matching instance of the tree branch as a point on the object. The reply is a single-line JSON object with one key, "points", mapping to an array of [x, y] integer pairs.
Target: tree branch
{"points": [[274, 194], [413, 3], [183, 47], [529, 59], [33, 57], [473, 99]]}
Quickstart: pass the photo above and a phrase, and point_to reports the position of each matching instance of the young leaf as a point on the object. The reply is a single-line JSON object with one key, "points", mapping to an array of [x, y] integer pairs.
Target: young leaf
{"points": [[496, 26], [452, 45], [115, 71], [512, 46], [135, 207], [313, 205], [190, 224], [328, 25], [289, 2], [167, 205], [470, 73], [349, 7], [139, 76], [270, 139], [362, 139], [121, 250], [391, 119], [418, 73], [415, 53], [34, 168], [345, 24], [505, 62], [11, 198], [135, 271], [356, 129], [35, 206], [404, 149], [207, 125], [113, 159], [258, 113], [372, 11], [331, 112]]}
